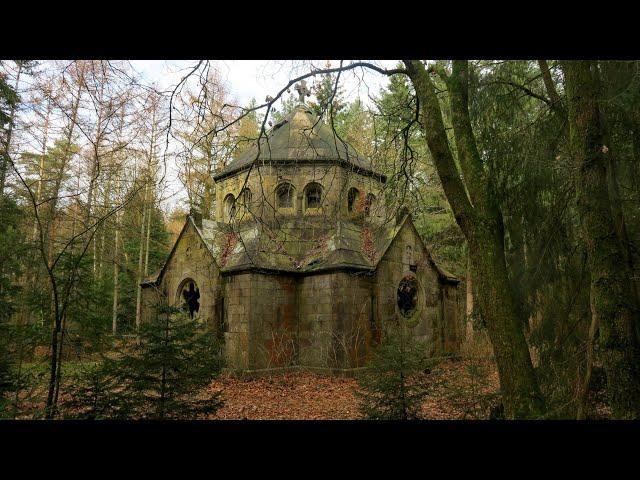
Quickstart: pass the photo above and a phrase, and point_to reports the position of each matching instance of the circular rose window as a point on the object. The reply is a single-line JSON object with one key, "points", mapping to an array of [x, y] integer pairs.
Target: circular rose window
{"points": [[408, 295]]}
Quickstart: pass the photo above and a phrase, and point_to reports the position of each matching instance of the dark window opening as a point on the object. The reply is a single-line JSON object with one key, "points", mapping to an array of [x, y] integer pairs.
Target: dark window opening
{"points": [[407, 295], [375, 333], [352, 196], [413, 268], [284, 196], [246, 198], [314, 196], [223, 325], [230, 206]]}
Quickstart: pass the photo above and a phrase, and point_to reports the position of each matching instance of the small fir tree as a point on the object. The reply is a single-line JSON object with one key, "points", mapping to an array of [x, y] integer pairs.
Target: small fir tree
{"points": [[391, 389], [156, 377]]}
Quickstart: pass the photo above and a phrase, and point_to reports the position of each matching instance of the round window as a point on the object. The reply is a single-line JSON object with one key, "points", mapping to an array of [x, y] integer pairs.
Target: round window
{"points": [[408, 295]]}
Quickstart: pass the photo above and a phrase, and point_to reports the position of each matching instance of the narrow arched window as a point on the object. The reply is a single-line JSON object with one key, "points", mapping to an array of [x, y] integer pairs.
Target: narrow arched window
{"points": [[229, 207], [284, 196], [246, 198], [313, 195], [352, 198]]}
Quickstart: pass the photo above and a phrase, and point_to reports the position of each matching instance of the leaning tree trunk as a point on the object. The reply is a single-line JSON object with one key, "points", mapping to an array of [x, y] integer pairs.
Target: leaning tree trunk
{"points": [[479, 217], [496, 302], [612, 296]]}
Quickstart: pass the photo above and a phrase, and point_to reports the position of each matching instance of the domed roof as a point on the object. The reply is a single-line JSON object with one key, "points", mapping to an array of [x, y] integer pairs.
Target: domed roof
{"points": [[300, 137]]}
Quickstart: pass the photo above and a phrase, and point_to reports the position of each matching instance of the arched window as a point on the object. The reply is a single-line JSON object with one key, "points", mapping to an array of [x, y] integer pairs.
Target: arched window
{"points": [[313, 195], [369, 203], [284, 196], [352, 198], [246, 198], [229, 207]]}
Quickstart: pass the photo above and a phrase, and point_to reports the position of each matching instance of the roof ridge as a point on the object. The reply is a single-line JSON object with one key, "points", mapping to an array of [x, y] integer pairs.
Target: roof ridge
{"points": [[295, 144]]}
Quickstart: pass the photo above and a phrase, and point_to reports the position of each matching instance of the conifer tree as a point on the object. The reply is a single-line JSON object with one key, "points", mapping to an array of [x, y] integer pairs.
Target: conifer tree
{"points": [[391, 388], [329, 102], [156, 377]]}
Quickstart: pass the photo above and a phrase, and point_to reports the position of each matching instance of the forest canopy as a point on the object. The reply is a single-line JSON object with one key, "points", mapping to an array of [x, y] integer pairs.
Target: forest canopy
{"points": [[521, 176]]}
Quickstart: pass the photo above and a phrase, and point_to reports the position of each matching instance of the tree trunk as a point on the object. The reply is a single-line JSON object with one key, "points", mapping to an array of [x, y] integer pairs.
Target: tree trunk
{"points": [[612, 295], [7, 144], [520, 391], [140, 259], [146, 255], [469, 301], [480, 220], [47, 252], [114, 316], [583, 393]]}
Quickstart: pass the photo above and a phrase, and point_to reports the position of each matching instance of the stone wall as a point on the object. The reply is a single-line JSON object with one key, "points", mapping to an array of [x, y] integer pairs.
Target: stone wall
{"points": [[335, 313], [236, 300], [321, 321], [273, 322], [326, 320], [192, 261], [427, 323], [264, 180]]}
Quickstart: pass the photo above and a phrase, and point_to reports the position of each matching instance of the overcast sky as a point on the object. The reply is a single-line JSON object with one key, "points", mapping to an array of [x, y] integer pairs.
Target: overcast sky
{"points": [[249, 79]]}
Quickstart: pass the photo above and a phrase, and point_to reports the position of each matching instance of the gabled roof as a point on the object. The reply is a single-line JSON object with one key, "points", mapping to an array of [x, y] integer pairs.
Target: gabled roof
{"points": [[155, 277], [300, 137], [297, 249]]}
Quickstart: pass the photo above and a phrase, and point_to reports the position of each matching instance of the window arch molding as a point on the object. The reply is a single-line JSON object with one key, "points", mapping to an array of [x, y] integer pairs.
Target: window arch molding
{"points": [[229, 206], [353, 197], [313, 195], [285, 194]]}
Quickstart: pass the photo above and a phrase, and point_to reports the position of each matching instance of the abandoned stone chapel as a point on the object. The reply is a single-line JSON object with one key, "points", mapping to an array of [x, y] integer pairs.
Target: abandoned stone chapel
{"points": [[306, 264]]}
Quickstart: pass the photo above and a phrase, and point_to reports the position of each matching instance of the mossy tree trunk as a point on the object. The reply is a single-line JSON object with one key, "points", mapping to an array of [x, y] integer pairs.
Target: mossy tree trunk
{"points": [[612, 297], [476, 211]]}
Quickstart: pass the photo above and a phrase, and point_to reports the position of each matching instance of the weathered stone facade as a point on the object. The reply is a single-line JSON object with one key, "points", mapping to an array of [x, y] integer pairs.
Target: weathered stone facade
{"points": [[310, 274]]}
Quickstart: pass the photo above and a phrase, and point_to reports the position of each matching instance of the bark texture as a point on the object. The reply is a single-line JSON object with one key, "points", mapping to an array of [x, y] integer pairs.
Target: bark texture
{"points": [[612, 296], [480, 219]]}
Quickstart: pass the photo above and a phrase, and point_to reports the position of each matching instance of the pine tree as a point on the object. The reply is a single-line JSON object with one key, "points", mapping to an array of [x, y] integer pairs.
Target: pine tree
{"points": [[391, 388], [329, 102], [156, 377], [288, 104], [10, 242], [248, 130], [9, 100]]}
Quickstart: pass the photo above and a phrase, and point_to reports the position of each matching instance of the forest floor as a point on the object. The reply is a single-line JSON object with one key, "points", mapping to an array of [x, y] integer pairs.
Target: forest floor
{"points": [[457, 390]]}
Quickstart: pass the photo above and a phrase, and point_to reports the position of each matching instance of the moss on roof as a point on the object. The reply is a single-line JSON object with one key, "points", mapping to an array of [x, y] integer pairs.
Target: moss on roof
{"points": [[300, 137]]}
